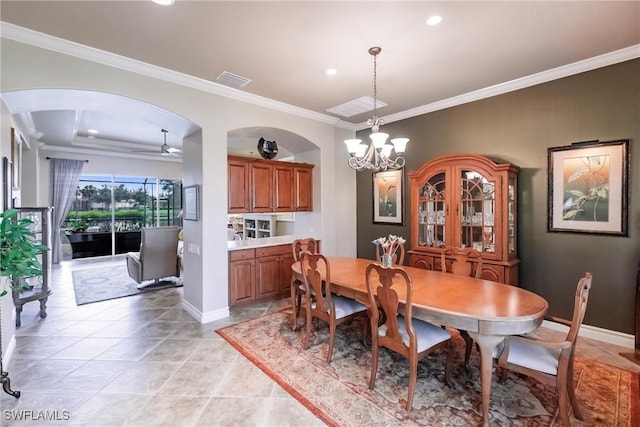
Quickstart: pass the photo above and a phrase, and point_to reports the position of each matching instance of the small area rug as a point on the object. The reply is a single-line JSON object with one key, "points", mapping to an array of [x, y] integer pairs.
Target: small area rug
{"points": [[105, 282], [338, 393]]}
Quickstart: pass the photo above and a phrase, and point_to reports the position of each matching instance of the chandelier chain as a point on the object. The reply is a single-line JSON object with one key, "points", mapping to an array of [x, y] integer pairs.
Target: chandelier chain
{"points": [[375, 86]]}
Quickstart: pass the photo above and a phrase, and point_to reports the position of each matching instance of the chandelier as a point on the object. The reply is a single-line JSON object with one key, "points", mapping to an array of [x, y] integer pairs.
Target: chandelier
{"points": [[377, 155]]}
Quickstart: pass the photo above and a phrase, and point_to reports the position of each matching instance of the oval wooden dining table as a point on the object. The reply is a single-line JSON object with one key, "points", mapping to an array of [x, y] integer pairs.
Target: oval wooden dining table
{"points": [[488, 310]]}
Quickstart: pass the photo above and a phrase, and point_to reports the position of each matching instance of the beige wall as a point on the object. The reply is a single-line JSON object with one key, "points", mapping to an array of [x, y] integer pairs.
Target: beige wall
{"points": [[6, 303], [517, 128], [29, 67]]}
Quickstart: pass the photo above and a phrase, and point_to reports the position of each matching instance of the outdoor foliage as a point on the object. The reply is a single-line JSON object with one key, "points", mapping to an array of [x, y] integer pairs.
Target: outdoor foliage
{"points": [[126, 220]]}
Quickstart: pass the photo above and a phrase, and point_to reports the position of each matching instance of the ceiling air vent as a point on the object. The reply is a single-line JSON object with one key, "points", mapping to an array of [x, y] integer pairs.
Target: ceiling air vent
{"points": [[233, 79], [355, 107]]}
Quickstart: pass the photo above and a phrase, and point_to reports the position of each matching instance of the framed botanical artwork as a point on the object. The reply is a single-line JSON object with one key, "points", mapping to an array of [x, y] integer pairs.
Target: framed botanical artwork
{"points": [[191, 202], [388, 197], [588, 188]]}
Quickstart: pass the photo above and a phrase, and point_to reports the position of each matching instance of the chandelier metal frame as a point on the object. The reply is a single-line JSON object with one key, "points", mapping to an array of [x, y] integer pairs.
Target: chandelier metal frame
{"points": [[377, 155]]}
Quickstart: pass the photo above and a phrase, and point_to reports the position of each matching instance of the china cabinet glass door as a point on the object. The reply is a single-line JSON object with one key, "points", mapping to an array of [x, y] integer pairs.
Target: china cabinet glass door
{"points": [[477, 212], [432, 209], [511, 217]]}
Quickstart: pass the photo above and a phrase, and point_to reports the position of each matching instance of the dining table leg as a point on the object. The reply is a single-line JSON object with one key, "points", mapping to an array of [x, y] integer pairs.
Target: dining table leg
{"points": [[294, 297], [486, 343]]}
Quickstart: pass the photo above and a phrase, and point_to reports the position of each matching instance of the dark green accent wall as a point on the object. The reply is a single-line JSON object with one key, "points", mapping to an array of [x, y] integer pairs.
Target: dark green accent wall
{"points": [[519, 127]]}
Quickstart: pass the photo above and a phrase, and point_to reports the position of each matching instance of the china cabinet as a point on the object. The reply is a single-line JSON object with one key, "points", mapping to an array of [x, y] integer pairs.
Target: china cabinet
{"points": [[37, 287], [466, 201]]}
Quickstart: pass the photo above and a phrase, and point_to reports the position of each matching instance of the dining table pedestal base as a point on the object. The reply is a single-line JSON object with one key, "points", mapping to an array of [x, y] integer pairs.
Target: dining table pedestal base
{"points": [[487, 344]]}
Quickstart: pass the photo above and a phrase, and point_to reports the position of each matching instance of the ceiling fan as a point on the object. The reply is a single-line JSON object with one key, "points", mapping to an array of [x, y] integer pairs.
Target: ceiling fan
{"points": [[165, 150]]}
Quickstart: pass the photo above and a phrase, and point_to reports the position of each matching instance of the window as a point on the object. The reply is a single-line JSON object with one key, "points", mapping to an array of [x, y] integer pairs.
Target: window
{"points": [[109, 211]]}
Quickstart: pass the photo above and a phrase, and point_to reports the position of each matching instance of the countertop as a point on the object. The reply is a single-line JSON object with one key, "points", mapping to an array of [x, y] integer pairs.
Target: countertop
{"points": [[234, 245]]}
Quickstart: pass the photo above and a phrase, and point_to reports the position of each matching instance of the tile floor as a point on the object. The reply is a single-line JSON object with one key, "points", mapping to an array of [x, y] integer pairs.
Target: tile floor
{"points": [[142, 361]]}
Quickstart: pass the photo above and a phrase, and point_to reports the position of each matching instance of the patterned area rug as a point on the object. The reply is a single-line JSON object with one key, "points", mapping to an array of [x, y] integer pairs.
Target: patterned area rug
{"points": [[339, 395], [106, 282]]}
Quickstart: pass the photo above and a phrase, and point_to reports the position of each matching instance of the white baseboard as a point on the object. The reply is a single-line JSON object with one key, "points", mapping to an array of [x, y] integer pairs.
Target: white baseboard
{"points": [[595, 333], [207, 317]]}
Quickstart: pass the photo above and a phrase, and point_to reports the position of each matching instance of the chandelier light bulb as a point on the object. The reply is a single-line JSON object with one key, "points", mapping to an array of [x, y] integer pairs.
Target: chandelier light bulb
{"points": [[386, 150], [400, 144], [379, 139], [352, 145]]}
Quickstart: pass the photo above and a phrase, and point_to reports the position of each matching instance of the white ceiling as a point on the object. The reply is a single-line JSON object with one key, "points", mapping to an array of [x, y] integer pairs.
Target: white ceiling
{"points": [[284, 48]]}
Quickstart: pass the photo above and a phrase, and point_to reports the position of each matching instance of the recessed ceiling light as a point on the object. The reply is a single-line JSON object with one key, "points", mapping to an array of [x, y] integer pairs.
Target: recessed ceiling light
{"points": [[164, 2], [331, 72], [92, 131], [434, 20]]}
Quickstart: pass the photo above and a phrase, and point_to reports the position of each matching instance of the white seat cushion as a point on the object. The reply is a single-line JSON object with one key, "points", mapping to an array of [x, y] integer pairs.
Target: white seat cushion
{"points": [[346, 306], [427, 334], [532, 356]]}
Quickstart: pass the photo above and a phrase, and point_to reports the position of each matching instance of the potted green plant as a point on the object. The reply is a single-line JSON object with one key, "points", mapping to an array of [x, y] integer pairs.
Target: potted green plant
{"points": [[19, 251]]}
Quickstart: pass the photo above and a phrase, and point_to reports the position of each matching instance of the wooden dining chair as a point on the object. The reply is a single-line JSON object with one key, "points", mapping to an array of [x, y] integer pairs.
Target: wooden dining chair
{"points": [[320, 303], [548, 361], [397, 258], [413, 338], [297, 287], [466, 262]]}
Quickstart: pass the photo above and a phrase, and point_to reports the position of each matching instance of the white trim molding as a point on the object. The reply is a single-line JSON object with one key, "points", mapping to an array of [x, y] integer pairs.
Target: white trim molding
{"points": [[46, 41], [207, 317], [611, 58], [595, 333], [56, 44]]}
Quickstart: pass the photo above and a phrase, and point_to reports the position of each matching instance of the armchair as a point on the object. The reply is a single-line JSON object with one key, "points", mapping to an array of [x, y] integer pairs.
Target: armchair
{"points": [[157, 259], [550, 362]]}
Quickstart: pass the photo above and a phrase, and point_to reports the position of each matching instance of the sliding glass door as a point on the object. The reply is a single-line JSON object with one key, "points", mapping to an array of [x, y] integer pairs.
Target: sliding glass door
{"points": [[109, 211]]}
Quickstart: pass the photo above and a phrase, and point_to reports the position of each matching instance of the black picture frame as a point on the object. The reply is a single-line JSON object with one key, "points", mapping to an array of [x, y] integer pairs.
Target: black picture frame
{"points": [[191, 202], [588, 188]]}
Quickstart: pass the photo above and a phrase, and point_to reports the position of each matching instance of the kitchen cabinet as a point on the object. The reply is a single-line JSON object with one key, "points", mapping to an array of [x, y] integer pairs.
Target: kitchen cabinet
{"points": [[36, 287], [284, 188], [261, 186], [238, 186], [259, 273], [466, 201], [242, 276], [303, 193]]}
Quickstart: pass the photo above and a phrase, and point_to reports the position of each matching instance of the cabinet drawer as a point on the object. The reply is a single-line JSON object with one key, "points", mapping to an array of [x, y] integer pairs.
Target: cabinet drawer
{"points": [[242, 254], [274, 250]]}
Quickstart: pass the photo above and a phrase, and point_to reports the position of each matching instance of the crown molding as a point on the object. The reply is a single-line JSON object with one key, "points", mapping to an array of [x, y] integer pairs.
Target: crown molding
{"points": [[611, 58], [56, 44], [46, 41]]}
